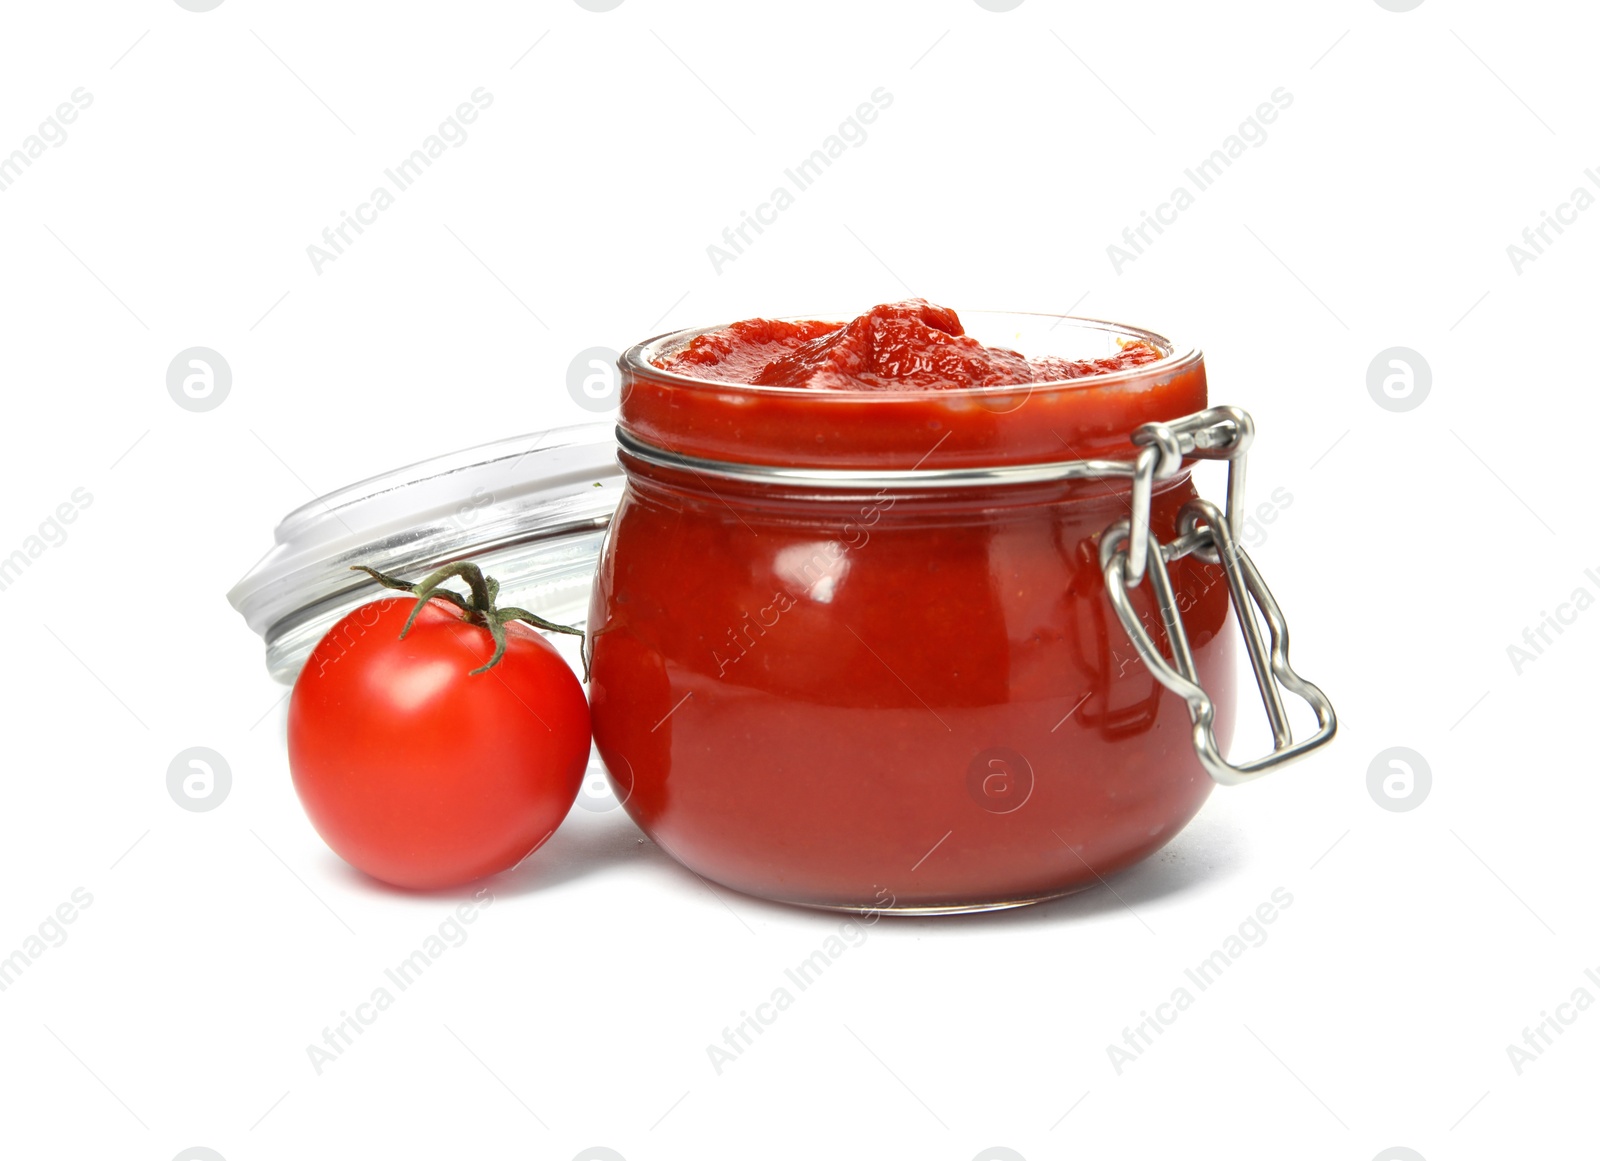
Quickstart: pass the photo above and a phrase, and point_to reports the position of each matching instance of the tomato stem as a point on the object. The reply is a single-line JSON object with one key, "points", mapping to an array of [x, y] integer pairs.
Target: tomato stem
{"points": [[478, 607]]}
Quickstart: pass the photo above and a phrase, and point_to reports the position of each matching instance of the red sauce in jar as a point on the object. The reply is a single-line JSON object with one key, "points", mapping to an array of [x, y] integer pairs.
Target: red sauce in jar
{"points": [[887, 698], [901, 346]]}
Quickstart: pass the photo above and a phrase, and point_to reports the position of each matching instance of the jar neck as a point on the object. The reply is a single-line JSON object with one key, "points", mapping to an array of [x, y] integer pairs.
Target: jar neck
{"points": [[742, 494]]}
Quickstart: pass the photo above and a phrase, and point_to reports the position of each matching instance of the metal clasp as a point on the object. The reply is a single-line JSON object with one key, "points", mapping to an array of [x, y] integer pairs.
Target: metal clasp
{"points": [[1127, 547]]}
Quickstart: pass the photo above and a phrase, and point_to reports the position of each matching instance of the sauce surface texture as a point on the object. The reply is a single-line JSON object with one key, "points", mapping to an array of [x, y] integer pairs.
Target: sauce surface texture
{"points": [[899, 346]]}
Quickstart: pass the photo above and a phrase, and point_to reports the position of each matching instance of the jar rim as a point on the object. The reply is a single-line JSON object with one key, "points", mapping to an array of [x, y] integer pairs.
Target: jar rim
{"points": [[639, 359], [1088, 417]]}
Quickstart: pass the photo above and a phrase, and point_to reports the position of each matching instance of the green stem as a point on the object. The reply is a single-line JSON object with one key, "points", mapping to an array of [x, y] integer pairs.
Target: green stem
{"points": [[478, 607]]}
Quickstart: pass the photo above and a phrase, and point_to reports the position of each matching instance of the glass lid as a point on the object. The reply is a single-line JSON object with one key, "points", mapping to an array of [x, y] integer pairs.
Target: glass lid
{"points": [[530, 509]]}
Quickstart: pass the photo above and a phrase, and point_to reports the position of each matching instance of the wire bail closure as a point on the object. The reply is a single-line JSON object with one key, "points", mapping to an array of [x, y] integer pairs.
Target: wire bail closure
{"points": [[1127, 549]]}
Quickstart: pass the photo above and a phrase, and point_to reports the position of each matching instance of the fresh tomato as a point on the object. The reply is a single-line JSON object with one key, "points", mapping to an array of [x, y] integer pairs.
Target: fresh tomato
{"points": [[420, 765]]}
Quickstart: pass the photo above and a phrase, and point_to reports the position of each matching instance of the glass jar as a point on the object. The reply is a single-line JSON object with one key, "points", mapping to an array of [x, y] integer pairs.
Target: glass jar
{"points": [[855, 650]]}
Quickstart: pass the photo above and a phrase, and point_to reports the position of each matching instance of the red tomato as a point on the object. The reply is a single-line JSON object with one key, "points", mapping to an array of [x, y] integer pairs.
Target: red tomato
{"points": [[420, 772]]}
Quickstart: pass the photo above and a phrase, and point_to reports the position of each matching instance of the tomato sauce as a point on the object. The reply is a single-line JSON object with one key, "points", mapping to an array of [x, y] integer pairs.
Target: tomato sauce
{"points": [[883, 698], [901, 346]]}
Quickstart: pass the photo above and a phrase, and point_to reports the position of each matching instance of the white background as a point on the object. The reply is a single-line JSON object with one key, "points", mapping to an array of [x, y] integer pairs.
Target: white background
{"points": [[1418, 547]]}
